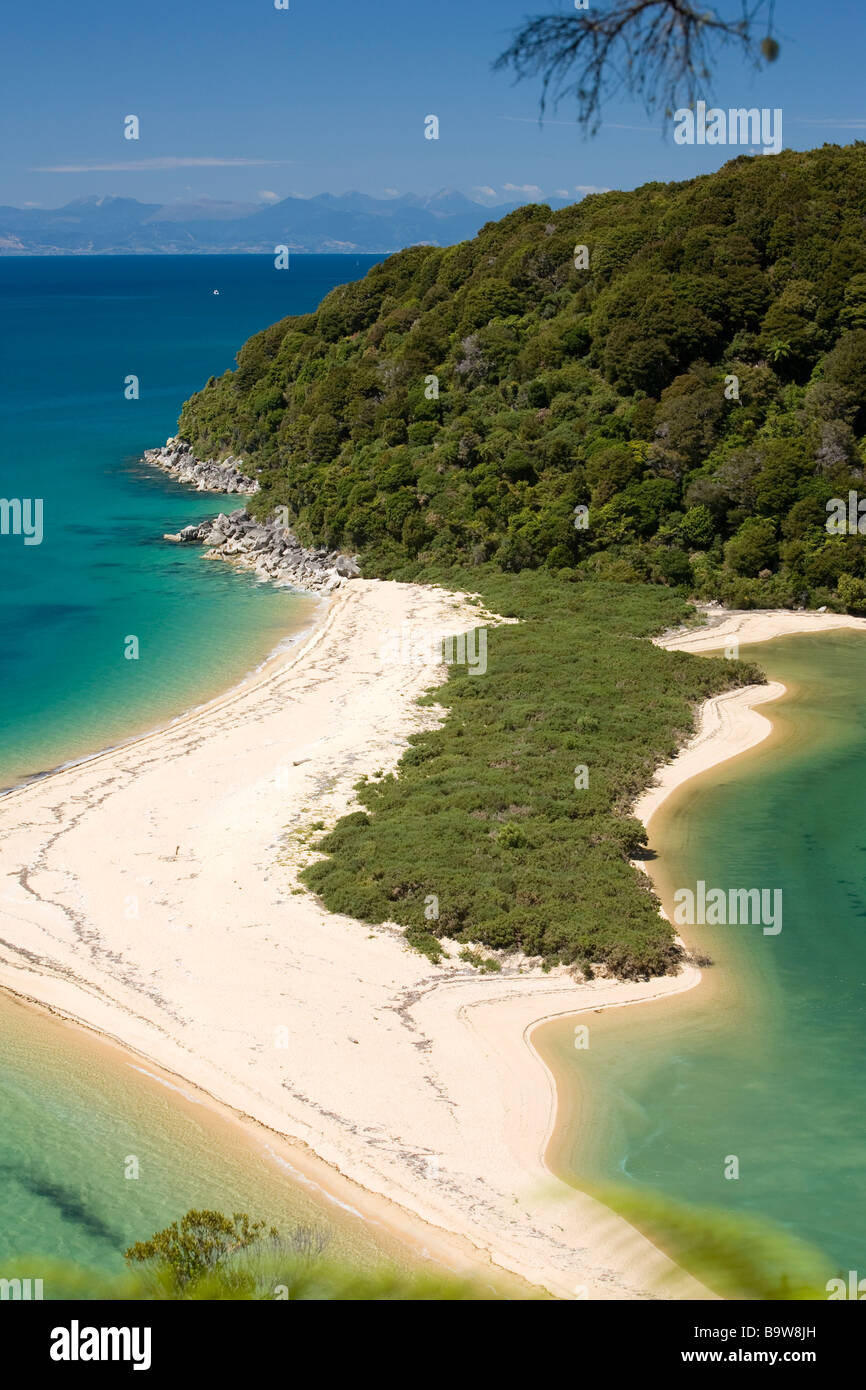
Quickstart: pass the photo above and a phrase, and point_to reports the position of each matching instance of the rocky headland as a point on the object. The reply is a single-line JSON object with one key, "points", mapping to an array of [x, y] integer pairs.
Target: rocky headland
{"points": [[267, 547]]}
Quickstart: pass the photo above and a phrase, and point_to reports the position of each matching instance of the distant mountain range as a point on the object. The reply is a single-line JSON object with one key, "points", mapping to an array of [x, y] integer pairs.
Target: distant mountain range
{"points": [[352, 222]]}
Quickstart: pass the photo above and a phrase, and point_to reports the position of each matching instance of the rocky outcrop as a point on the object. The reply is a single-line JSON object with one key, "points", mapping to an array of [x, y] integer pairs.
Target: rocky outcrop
{"points": [[267, 547], [178, 460], [271, 551]]}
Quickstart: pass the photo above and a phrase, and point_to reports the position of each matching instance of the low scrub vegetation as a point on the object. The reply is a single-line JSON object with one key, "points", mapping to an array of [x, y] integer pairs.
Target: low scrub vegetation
{"points": [[485, 835]]}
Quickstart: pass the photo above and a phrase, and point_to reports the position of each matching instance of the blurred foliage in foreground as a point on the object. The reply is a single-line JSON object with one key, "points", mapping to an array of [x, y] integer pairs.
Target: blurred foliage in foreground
{"points": [[735, 1256], [210, 1257]]}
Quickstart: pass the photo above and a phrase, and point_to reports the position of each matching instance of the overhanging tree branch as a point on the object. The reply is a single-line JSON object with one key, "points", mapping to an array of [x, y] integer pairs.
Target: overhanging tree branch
{"points": [[657, 51]]}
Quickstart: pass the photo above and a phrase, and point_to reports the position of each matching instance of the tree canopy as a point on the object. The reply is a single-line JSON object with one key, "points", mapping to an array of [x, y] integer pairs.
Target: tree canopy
{"points": [[706, 368]]}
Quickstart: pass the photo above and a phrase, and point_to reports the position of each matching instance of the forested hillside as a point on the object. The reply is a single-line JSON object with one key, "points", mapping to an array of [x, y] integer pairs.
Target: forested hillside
{"points": [[507, 419], [610, 387]]}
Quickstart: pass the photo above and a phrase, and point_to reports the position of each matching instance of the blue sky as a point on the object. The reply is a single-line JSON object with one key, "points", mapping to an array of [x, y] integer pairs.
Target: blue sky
{"points": [[331, 95]]}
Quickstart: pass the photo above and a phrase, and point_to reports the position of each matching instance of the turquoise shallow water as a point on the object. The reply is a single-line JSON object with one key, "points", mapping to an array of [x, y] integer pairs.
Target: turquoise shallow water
{"points": [[73, 329], [765, 1061], [97, 1150]]}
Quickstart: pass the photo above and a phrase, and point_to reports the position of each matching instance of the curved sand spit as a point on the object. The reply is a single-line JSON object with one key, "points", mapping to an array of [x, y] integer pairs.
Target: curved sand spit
{"points": [[147, 893]]}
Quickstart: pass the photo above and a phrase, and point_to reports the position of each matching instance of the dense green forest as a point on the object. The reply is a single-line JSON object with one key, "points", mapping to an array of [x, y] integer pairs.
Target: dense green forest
{"points": [[457, 405], [582, 438]]}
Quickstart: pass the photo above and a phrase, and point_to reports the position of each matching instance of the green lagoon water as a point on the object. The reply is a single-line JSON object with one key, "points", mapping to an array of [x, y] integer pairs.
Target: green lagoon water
{"points": [[765, 1061]]}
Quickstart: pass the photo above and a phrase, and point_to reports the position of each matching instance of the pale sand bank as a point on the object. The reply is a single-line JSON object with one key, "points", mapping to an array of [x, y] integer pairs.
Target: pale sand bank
{"points": [[729, 724], [745, 626], [148, 894]]}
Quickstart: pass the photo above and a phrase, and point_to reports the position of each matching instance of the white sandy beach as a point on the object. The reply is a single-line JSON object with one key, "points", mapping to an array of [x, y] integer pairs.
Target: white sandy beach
{"points": [[148, 893], [730, 724], [758, 625]]}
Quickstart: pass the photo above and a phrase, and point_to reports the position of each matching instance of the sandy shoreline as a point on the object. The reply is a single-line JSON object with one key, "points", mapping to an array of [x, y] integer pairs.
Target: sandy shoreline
{"points": [[148, 894], [730, 724], [287, 644]]}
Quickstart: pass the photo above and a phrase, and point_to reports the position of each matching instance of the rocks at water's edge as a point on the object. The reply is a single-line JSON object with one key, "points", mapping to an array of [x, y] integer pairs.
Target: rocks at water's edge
{"points": [[271, 550], [177, 458], [267, 547]]}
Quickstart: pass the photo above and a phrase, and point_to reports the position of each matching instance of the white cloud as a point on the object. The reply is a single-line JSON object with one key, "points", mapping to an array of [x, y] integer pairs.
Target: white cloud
{"points": [[560, 192], [485, 195], [391, 192], [266, 195], [846, 123], [521, 188], [589, 188], [162, 162]]}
